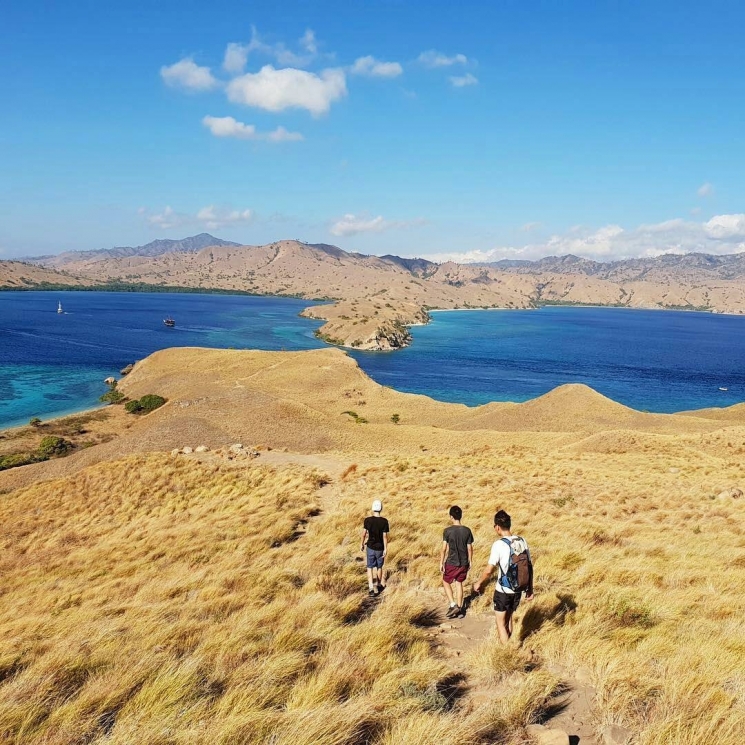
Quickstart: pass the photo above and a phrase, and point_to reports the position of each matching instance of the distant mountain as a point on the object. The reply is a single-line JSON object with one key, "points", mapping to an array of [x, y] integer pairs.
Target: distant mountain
{"points": [[154, 248], [694, 266]]}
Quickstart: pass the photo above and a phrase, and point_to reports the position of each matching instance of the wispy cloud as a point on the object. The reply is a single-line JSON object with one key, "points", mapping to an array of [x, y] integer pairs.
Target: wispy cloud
{"points": [[187, 75], [433, 58], [227, 126], [722, 234], [236, 53], [462, 81], [355, 224], [276, 90], [373, 68], [210, 217], [705, 190]]}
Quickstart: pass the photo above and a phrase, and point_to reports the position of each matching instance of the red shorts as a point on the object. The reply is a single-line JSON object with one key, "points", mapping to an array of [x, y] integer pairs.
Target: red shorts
{"points": [[455, 574]]}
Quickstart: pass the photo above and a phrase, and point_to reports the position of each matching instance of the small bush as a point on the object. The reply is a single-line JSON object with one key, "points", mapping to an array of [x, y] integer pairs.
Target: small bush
{"points": [[16, 459], [34, 421], [151, 402], [52, 446], [133, 407], [395, 418], [112, 396]]}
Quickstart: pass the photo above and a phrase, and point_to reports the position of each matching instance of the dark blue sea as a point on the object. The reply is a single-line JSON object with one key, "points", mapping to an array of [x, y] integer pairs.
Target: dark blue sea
{"points": [[53, 364]]}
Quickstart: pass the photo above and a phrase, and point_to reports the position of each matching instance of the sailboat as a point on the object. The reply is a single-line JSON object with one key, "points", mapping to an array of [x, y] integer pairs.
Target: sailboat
{"points": [[59, 308]]}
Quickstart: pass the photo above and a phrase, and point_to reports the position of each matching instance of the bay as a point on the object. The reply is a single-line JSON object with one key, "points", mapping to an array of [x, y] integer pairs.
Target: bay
{"points": [[663, 361]]}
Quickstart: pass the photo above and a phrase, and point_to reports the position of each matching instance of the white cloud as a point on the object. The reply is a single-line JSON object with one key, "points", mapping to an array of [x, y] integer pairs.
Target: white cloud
{"points": [[723, 234], [355, 224], [461, 81], [530, 226], [433, 59], [308, 41], [236, 54], [227, 126], [371, 67], [726, 228], [215, 218], [277, 90], [209, 217], [705, 190], [189, 76]]}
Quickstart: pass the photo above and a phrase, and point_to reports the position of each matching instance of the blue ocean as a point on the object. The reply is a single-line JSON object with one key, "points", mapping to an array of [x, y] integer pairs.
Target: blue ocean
{"points": [[662, 361]]}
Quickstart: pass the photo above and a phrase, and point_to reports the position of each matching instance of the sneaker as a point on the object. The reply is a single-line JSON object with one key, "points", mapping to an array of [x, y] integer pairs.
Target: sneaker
{"points": [[453, 611], [381, 588], [372, 593]]}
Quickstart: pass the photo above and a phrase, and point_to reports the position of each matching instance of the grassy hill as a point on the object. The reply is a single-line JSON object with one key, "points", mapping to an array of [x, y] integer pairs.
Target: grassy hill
{"points": [[157, 597]]}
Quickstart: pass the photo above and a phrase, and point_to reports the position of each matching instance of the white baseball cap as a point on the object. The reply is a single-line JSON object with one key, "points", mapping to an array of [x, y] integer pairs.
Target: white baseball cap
{"points": [[377, 506]]}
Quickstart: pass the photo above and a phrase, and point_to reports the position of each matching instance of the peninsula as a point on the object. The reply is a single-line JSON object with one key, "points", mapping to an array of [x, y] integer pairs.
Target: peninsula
{"points": [[373, 300]]}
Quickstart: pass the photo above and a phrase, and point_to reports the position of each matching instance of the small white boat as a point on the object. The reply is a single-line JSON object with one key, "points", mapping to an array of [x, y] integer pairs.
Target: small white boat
{"points": [[59, 308], [723, 389]]}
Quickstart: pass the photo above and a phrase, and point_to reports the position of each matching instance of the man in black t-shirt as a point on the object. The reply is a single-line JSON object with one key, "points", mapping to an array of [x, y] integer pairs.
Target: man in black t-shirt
{"points": [[375, 537], [455, 560]]}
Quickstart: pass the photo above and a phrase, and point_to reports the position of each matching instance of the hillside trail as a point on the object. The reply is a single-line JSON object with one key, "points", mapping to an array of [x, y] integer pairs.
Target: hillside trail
{"points": [[571, 711]]}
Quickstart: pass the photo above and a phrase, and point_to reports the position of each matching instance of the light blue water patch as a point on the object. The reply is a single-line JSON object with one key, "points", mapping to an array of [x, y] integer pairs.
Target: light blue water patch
{"points": [[52, 364]]}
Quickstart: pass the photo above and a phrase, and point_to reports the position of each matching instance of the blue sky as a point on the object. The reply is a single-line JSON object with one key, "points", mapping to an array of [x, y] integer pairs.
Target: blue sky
{"points": [[465, 130]]}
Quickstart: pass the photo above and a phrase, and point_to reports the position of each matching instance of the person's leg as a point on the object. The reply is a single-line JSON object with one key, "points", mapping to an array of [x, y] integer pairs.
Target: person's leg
{"points": [[370, 578], [448, 592], [381, 575], [459, 594], [508, 622], [504, 634]]}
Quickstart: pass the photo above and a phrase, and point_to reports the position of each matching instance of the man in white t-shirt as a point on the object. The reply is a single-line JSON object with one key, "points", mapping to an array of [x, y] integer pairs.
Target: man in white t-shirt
{"points": [[506, 599]]}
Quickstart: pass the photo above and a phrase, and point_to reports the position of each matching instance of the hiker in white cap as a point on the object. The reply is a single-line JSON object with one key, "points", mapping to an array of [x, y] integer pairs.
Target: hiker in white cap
{"points": [[375, 538]]}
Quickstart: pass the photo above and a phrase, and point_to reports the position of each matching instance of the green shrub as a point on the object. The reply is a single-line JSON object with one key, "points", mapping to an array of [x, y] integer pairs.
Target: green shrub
{"points": [[395, 418], [34, 421], [52, 446], [112, 396], [15, 459], [133, 407], [151, 402]]}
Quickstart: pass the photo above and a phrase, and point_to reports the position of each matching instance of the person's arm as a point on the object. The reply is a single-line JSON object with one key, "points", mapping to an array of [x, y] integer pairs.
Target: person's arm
{"points": [[443, 554], [385, 544], [484, 578], [364, 539], [529, 591]]}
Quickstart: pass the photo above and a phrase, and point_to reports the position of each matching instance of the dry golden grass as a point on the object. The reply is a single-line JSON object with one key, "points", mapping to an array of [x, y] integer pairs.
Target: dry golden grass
{"points": [[167, 600]]}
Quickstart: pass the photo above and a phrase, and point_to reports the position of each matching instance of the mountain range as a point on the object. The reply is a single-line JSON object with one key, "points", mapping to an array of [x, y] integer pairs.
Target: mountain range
{"points": [[377, 297]]}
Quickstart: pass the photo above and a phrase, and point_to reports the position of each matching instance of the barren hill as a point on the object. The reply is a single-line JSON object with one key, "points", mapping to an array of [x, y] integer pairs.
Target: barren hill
{"points": [[153, 596], [377, 298]]}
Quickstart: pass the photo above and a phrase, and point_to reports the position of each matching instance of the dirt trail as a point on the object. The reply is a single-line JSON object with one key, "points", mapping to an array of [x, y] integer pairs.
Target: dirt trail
{"points": [[571, 711]]}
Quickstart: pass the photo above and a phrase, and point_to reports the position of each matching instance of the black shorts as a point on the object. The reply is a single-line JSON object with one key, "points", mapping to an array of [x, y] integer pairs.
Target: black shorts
{"points": [[505, 601]]}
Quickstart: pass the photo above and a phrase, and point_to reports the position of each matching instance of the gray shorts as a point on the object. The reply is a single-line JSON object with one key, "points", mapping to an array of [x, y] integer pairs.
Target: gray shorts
{"points": [[374, 559]]}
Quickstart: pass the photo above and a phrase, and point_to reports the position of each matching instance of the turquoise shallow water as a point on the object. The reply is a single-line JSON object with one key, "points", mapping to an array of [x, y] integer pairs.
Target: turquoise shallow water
{"points": [[53, 364]]}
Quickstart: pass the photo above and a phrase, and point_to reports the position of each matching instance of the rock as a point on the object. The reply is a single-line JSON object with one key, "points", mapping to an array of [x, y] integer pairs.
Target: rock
{"points": [[175, 451], [202, 449], [237, 448], [542, 735], [187, 450], [111, 380], [733, 493], [615, 734], [674, 470], [126, 370]]}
